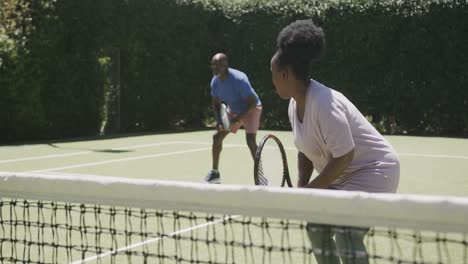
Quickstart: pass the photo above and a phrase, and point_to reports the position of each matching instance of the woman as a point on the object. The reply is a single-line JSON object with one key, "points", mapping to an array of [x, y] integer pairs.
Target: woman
{"points": [[332, 137]]}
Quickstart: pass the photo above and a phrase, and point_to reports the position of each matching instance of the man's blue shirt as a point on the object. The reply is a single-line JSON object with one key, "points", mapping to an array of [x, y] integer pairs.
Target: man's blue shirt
{"points": [[234, 90]]}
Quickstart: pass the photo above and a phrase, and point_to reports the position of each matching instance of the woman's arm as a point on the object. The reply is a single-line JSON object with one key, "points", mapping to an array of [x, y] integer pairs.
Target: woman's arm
{"points": [[305, 169], [332, 170]]}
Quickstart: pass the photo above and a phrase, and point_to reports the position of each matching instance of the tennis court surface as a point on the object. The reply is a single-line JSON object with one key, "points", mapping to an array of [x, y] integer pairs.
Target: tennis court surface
{"points": [[140, 199]]}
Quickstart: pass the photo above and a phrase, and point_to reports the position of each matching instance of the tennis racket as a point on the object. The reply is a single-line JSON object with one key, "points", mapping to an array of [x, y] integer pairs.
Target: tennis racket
{"points": [[224, 117], [271, 165]]}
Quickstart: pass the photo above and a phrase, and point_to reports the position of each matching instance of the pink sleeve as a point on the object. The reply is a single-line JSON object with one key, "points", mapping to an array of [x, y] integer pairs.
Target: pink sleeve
{"points": [[334, 127]]}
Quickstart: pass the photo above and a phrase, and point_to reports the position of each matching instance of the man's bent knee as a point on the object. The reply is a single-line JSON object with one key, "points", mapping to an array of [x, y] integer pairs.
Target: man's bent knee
{"points": [[251, 139], [219, 137]]}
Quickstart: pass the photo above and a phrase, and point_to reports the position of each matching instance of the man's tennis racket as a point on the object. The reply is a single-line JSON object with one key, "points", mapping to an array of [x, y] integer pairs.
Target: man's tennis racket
{"points": [[271, 165], [224, 117]]}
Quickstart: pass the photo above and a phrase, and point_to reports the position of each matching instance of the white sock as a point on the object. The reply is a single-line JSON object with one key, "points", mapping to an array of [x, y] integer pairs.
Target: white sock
{"points": [[215, 171]]}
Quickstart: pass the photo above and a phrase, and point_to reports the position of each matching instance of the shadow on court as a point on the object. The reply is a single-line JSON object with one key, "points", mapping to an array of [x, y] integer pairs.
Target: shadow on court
{"points": [[93, 150]]}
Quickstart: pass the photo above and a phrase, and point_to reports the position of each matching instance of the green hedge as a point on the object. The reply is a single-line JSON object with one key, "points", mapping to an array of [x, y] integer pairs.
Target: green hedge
{"points": [[400, 62], [404, 61], [52, 83], [165, 64]]}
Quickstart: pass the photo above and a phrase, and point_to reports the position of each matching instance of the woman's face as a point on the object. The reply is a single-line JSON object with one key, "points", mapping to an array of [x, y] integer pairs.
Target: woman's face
{"points": [[280, 78]]}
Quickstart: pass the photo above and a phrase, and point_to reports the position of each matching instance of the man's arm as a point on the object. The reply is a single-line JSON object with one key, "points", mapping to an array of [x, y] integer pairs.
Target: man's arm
{"points": [[332, 170], [216, 103], [305, 168], [251, 104]]}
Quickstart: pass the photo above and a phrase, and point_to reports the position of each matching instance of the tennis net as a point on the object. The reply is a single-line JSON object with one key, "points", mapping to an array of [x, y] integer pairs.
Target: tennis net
{"points": [[93, 219]]}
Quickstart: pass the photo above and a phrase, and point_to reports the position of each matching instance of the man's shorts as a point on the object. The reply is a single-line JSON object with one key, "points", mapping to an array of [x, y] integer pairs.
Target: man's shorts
{"points": [[251, 122]]}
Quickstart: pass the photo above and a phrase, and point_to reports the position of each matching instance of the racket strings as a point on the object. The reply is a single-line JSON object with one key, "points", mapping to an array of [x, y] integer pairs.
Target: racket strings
{"points": [[261, 176], [271, 167]]}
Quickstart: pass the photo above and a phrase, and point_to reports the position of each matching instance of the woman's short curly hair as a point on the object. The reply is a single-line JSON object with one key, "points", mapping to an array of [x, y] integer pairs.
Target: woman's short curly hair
{"points": [[300, 44]]}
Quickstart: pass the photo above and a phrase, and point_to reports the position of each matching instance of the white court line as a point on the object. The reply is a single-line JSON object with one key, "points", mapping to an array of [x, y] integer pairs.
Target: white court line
{"points": [[46, 157], [147, 145], [121, 148], [416, 155], [199, 143], [89, 152], [120, 160], [293, 148], [152, 240], [433, 156]]}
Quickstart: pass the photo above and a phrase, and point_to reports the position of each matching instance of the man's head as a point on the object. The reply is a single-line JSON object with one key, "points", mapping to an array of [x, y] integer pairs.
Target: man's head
{"points": [[219, 65]]}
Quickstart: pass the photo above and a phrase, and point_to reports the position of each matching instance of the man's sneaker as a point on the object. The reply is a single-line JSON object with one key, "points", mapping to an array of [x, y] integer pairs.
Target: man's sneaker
{"points": [[212, 177]]}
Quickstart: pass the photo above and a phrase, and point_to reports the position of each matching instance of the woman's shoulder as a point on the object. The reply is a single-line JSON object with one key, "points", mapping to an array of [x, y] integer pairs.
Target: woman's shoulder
{"points": [[319, 95], [323, 95]]}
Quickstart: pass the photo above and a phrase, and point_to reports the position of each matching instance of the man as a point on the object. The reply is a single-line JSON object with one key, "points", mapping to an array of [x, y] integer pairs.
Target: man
{"points": [[233, 88]]}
